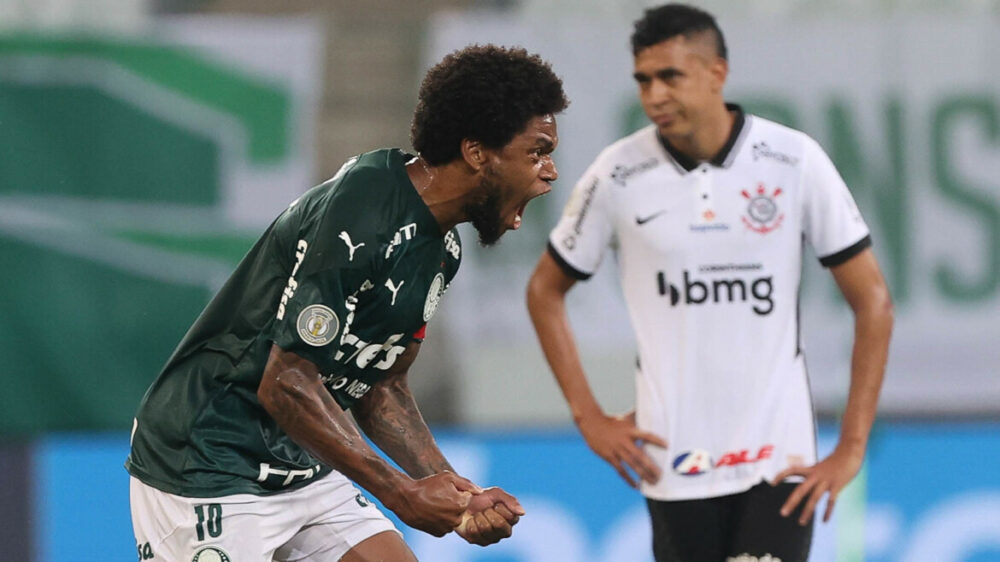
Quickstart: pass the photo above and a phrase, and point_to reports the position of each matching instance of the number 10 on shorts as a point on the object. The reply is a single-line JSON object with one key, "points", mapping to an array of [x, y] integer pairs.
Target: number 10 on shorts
{"points": [[212, 523]]}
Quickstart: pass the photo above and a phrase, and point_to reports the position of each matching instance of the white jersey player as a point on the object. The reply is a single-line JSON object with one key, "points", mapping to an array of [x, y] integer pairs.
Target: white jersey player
{"points": [[708, 209]]}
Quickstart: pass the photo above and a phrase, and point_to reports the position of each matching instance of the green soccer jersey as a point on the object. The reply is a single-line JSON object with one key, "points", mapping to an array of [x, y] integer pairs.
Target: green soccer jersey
{"points": [[345, 277]]}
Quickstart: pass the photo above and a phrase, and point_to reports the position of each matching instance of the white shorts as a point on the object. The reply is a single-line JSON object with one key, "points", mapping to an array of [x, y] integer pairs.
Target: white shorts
{"points": [[319, 522]]}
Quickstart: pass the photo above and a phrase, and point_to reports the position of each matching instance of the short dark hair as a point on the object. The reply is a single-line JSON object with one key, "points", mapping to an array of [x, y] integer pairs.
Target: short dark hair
{"points": [[482, 92], [670, 20]]}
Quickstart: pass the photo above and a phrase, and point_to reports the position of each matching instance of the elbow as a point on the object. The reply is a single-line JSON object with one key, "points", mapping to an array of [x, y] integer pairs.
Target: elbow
{"points": [[278, 389], [888, 312], [531, 292], [536, 294], [883, 303], [546, 288], [879, 306], [267, 393], [888, 309]]}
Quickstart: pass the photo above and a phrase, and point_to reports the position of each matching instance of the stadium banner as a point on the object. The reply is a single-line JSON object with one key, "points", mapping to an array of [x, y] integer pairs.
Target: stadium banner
{"points": [[921, 499], [135, 173], [920, 151]]}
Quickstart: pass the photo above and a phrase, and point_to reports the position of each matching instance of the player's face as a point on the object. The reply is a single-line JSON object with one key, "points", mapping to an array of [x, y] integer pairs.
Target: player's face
{"points": [[680, 80], [513, 176]]}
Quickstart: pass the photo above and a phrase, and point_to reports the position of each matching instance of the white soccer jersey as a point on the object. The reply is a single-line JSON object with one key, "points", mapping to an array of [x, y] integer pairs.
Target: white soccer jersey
{"points": [[710, 257]]}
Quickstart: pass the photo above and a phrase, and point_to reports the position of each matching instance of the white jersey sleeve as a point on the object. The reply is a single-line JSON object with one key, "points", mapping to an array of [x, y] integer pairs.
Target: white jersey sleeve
{"points": [[585, 231], [831, 221]]}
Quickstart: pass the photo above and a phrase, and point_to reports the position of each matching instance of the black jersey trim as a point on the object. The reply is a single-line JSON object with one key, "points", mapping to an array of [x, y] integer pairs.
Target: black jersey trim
{"points": [[741, 129], [721, 159], [734, 136], [679, 158], [566, 267], [847, 253]]}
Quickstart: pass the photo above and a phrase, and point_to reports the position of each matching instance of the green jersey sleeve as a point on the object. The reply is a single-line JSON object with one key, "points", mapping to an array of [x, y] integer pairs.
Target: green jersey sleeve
{"points": [[332, 251]]}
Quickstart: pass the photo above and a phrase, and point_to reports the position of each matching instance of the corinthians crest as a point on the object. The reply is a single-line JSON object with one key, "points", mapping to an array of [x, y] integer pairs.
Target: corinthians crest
{"points": [[763, 214]]}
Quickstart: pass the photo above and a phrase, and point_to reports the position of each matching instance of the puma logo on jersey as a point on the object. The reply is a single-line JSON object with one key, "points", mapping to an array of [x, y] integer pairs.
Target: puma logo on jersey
{"points": [[350, 247], [394, 288]]}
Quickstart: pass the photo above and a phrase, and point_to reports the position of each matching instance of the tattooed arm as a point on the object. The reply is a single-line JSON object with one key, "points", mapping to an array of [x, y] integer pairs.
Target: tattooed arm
{"points": [[390, 417], [292, 392]]}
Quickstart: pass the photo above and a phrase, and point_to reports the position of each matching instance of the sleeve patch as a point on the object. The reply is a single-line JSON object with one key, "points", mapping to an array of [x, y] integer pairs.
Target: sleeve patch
{"points": [[317, 325]]}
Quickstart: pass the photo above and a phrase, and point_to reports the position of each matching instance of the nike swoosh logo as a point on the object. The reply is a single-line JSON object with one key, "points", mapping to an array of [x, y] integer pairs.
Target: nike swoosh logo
{"points": [[643, 220]]}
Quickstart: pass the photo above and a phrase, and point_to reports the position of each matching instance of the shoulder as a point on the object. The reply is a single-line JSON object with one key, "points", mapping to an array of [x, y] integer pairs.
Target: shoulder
{"points": [[770, 140], [364, 194], [349, 217], [368, 177], [633, 149], [627, 158], [761, 126]]}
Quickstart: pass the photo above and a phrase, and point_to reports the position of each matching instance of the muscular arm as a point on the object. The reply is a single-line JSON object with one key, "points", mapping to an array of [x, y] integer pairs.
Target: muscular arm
{"points": [[390, 417], [293, 394], [612, 438]]}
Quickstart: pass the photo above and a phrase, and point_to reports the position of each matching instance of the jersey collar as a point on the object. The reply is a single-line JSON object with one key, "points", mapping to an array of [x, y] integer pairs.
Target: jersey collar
{"points": [[725, 156], [398, 160]]}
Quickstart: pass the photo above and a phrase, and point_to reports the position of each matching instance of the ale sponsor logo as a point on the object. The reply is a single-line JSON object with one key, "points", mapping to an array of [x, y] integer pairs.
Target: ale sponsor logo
{"points": [[699, 461]]}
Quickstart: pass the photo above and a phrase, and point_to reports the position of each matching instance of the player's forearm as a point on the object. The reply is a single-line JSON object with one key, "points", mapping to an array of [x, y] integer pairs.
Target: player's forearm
{"points": [[547, 308], [872, 330], [301, 406], [390, 417]]}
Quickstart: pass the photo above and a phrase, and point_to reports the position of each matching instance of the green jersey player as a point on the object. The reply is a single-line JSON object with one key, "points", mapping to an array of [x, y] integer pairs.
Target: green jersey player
{"points": [[242, 449]]}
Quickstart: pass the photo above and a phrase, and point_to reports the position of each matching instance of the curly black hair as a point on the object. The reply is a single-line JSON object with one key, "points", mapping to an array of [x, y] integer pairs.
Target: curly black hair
{"points": [[482, 92], [670, 20]]}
